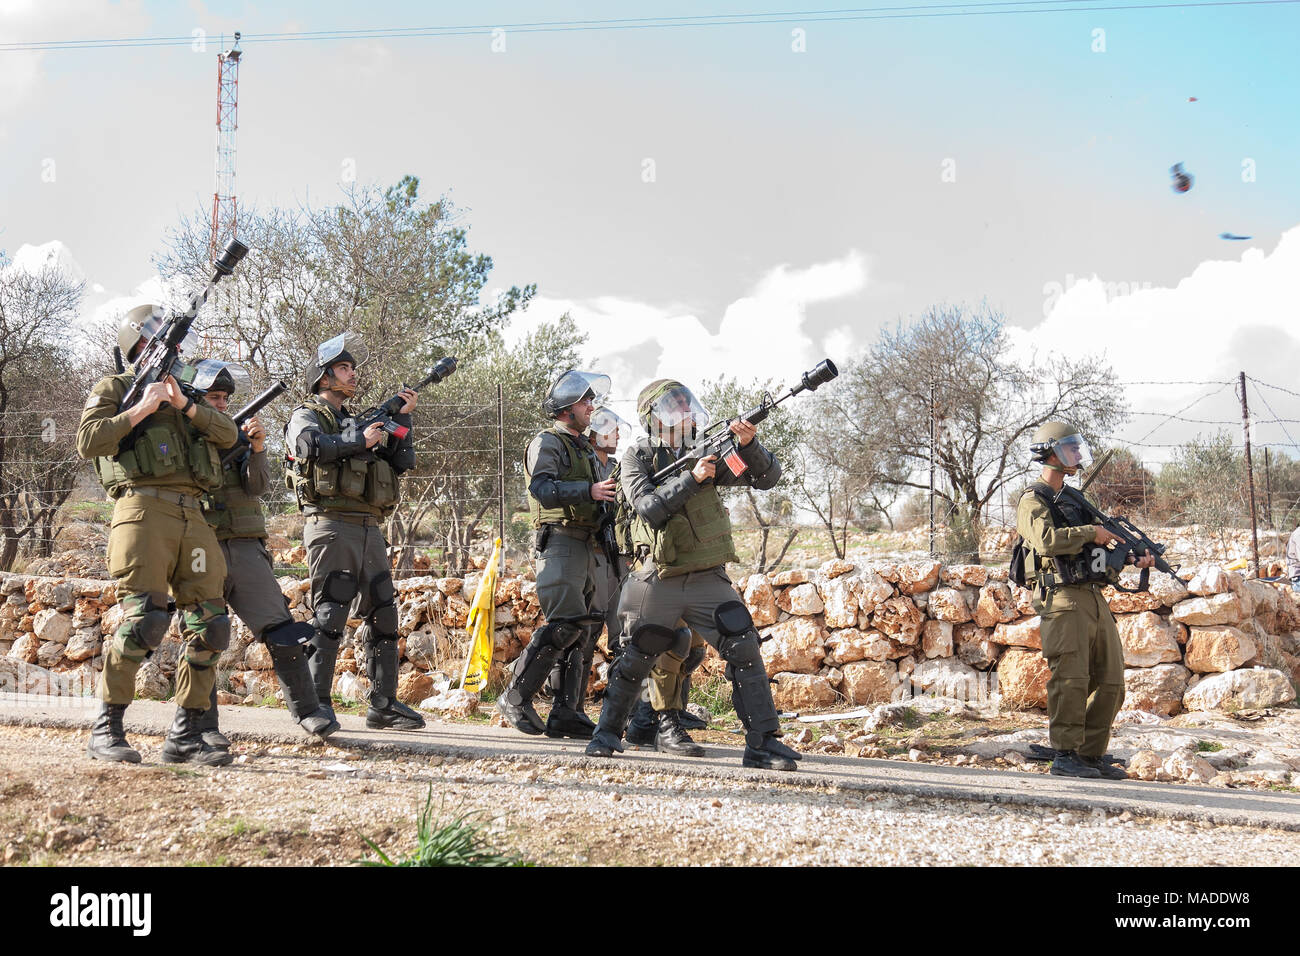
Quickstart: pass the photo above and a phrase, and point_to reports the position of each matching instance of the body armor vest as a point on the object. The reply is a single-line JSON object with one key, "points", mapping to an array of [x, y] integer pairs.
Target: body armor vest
{"points": [[231, 511], [169, 452], [361, 483], [581, 466], [1087, 566], [696, 538]]}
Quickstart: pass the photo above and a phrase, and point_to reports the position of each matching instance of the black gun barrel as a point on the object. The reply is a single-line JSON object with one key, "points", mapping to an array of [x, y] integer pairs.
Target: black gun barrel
{"points": [[271, 393]]}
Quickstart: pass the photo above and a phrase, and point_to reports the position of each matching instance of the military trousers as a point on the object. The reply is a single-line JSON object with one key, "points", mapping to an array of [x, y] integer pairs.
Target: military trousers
{"points": [[690, 598], [159, 546], [348, 563], [668, 676], [1082, 647], [251, 589], [566, 575]]}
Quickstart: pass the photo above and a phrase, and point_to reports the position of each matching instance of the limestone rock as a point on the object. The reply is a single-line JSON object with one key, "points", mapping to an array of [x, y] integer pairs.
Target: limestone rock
{"points": [[425, 647], [840, 599], [949, 604], [1240, 690], [51, 625], [974, 647], [1215, 609], [1147, 765], [835, 568], [257, 657], [54, 593], [1267, 600], [150, 682], [972, 575], [1185, 765], [760, 600], [351, 687], [1126, 602], [1149, 639], [1167, 588], [796, 645], [850, 644], [450, 586], [1024, 601], [995, 605], [783, 579], [457, 611], [802, 599], [800, 692], [111, 619], [414, 687], [899, 619], [1156, 690], [936, 639], [948, 677], [83, 645], [25, 648], [1217, 649], [869, 682], [1212, 579], [873, 591], [87, 612], [1021, 634], [1022, 678], [453, 703], [916, 578], [49, 654]]}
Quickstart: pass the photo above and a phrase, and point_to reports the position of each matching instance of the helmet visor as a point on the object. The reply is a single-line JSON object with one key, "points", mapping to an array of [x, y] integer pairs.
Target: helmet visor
{"points": [[212, 375], [605, 424], [573, 386], [339, 348], [1072, 451], [678, 407]]}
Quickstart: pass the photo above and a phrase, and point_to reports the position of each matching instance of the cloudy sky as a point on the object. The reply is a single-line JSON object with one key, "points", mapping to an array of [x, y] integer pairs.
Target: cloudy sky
{"points": [[747, 196]]}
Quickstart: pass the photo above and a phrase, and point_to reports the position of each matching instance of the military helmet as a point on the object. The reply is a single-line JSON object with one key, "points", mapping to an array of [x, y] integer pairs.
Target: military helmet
{"points": [[141, 322], [603, 430], [668, 409], [572, 387], [1063, 441], [344, 347], [213, 375]]}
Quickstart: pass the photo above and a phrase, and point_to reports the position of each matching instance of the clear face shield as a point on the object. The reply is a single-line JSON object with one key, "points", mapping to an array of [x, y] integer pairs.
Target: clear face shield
{"points": [[573, 385], [329, 352], [677, 416], [1072, 451], [213, 375], [149, 319], [605, 425]]}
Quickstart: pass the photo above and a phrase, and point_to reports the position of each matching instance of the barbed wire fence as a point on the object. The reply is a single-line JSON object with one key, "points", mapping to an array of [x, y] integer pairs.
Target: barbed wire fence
{"points": [[468, 483]]}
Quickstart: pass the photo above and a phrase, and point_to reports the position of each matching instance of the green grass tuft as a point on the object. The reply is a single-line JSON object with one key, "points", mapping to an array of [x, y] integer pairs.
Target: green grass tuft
{"points": [[459, 842]]}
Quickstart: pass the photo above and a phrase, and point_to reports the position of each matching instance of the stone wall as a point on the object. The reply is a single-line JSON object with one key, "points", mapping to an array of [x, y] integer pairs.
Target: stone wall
{"points": [[842, 634]]}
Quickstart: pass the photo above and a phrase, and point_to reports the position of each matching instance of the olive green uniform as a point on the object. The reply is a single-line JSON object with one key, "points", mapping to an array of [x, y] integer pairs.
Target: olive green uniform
{"points": [[160, 541], [347, 491], [1080, 640]]}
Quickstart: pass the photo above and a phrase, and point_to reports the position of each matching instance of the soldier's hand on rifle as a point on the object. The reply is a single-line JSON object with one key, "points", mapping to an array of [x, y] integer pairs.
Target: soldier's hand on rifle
{"points": [[706, 467], [154, 397], [1103, 537], [175, 396], [744, 431], [409, 396], [1146, 561], [603, 490], [374, 434], [256, 434]]}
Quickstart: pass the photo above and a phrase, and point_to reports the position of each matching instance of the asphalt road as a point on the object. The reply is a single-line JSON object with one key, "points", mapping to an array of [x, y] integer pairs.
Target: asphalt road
{"points": [[273, 725]]}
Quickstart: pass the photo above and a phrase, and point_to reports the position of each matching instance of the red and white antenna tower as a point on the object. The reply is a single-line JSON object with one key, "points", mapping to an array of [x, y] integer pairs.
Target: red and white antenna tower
{"points": [[224, 207]]}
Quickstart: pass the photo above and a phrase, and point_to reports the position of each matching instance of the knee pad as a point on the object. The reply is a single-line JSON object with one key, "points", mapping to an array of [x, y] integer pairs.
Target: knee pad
{"points": [[288, 634], [382, 591], [340, 587], [653, 639], [149, 629], [694, 659], [217, 632], [383, 613], [560, 634], [330, 618]]}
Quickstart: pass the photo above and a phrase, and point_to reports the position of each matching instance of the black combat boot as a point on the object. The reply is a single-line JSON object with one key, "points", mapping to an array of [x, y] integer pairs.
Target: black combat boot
{"points": [[212, 735], [1104, 767], [767, 752], [566, 718], [107, 739], [671, 739], [531, 670], [1069, 764], [185, 744], [643, 726], [293, 673], [321, 667]]}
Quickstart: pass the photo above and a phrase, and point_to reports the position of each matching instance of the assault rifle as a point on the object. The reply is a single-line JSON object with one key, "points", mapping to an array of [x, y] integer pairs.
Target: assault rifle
{"points": [[161, 356], [242, 444], [383, 414], [718, 439]]}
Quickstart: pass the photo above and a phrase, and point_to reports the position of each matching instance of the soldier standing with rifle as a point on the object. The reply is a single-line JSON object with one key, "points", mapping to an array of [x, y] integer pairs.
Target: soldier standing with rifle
{"points": [[344, 474], [683, 529], [1066, 565], [155, 458], [235, 514], [565, 498]]}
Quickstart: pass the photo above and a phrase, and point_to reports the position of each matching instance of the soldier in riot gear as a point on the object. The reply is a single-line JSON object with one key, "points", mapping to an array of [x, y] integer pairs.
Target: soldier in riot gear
{"points": [[565, 496], [235, 514], [1066, 571], [155, 459], [682, 529], [345, 482]]}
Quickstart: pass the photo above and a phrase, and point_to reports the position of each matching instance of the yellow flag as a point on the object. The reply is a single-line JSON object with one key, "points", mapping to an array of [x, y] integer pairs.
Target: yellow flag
{"points": [[480, 624]]}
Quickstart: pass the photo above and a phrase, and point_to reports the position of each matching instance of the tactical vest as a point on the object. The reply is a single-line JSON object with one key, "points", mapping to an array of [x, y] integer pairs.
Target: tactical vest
{"points": [[361, 483], [579, 465], [169, 452], [696, 538], [624, 514], [231, 511], [1087, 566]]}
